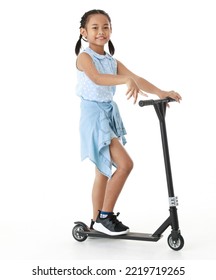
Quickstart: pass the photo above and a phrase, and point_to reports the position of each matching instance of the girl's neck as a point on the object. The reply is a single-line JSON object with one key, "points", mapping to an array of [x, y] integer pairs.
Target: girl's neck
{"points": [[98, 49]]}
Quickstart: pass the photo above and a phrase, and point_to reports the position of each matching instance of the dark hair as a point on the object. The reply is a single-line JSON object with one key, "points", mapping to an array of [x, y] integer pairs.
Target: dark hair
{"points": [[83, 23]]}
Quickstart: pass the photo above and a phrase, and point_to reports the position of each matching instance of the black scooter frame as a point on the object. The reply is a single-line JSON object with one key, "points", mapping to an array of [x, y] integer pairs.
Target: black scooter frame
{"points": [[176, 242]]}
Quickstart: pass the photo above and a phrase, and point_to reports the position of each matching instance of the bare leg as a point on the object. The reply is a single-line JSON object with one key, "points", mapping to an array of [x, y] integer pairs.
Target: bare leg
{"points": [[98, 192], [115, 184]]}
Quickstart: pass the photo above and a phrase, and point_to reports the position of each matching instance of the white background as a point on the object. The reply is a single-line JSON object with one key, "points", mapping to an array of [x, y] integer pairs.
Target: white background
{"points": [[44, 186]]}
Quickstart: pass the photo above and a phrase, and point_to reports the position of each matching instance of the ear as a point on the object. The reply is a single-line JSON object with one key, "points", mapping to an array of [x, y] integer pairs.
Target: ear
{"points": [[83, 32]]}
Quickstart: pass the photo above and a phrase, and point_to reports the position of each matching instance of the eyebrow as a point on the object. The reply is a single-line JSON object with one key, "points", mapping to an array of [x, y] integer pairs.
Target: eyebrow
{"points": [[105, 24]]}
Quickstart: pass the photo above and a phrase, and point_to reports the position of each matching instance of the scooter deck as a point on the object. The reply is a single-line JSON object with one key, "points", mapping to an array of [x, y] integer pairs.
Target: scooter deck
{"points": [[128, 236]]}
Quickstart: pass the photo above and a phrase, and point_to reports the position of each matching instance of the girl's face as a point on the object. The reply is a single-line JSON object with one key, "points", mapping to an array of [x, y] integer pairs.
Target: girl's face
{"points": [[97, 32]]}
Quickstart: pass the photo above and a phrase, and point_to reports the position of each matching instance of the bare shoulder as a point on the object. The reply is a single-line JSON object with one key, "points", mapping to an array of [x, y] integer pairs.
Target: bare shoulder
{"points": [[123, 70], [83, 61], [120, 66]]}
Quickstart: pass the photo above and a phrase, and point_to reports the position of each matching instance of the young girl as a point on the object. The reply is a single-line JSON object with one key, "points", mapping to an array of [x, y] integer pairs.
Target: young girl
{"points": [[101, 127]]}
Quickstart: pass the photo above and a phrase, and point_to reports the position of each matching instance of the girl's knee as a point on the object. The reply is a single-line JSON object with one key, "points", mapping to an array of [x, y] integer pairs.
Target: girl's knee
{"points": [[130, 165], [127, 166]]}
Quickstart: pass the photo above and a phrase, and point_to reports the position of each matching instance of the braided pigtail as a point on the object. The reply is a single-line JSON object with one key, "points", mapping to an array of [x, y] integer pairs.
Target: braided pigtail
{"points": [[111, 47], [78, 45]]}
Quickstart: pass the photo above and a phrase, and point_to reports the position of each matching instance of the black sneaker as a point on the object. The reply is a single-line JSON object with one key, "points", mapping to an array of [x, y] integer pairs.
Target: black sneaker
{"points": [[110, 225]]}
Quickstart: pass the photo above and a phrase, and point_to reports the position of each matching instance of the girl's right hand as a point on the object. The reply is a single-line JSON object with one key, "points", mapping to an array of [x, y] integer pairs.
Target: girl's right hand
{"points": [[133, 90]]}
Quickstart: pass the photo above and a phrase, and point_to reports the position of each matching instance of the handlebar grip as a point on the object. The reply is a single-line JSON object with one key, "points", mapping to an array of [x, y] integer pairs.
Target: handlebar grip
{"points": [[146, 102], [152, 102]]}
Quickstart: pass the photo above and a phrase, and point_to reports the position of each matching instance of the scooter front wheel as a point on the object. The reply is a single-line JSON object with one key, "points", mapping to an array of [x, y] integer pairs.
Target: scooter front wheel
{"points": [[175, 244], [78, 234]]}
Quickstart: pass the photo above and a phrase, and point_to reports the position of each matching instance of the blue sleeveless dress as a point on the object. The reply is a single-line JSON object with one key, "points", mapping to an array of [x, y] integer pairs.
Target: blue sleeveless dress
{"points": [[100, 119]]}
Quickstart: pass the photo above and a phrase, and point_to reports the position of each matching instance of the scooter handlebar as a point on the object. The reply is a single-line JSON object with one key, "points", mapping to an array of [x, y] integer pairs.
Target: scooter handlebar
{"points": [[155, 101]]}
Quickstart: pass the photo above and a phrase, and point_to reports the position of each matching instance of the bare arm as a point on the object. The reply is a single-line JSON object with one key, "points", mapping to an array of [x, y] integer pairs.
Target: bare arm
{"points": [[134, 83], [147, 86], [85, 64], [141, 82]]}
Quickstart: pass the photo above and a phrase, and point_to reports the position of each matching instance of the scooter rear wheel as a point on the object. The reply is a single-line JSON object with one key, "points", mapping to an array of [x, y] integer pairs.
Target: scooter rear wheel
{"points": [[176, 244]]}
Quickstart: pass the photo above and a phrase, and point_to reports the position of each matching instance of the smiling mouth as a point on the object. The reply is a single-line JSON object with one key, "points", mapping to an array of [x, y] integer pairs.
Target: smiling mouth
{"points": [[101, 38]]}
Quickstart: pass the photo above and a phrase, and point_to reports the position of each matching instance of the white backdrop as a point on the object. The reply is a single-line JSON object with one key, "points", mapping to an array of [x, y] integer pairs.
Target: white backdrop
{"points": [[44, 186]]}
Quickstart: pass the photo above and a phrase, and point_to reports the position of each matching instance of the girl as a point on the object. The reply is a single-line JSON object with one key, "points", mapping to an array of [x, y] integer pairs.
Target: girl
{"points": [[101, 127]]}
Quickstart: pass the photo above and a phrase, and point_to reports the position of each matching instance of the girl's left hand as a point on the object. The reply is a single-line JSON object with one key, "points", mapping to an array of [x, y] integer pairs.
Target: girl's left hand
{"points": [[173, 94]]}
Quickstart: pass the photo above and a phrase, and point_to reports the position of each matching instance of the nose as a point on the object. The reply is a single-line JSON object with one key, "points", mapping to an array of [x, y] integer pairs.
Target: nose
{"points": [[100, 32]]}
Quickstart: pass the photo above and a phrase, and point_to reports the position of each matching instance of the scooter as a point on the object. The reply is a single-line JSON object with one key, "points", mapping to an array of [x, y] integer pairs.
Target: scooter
{"points": [[175, 240]]}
